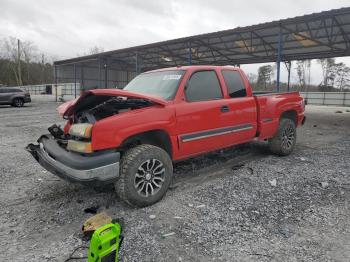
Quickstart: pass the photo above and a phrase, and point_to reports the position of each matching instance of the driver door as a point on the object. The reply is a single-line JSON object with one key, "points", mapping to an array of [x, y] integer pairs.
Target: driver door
{"points": [[201, 118]]}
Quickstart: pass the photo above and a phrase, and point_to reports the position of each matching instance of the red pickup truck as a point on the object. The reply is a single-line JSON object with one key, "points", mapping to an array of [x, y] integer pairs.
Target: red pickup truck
{"points": [[131, 137]]}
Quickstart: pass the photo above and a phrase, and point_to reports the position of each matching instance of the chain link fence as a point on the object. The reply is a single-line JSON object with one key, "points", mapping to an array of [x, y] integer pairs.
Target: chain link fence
{"points": [[53, 92], [327, 98]]}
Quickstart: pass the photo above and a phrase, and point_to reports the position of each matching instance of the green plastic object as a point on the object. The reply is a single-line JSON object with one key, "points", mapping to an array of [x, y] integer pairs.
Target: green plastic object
{"points": [[105, 243]]}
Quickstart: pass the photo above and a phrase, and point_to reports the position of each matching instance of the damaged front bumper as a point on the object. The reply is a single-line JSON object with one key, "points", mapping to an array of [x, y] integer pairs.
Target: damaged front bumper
{"points": [[92, 169]]}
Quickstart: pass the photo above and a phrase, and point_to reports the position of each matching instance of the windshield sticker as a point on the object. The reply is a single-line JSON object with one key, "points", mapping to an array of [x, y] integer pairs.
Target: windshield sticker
{"points": [[171, 77]]}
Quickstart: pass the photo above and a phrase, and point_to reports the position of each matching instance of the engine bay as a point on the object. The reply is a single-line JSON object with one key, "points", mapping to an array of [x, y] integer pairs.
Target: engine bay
{"points": [[94, 108]]}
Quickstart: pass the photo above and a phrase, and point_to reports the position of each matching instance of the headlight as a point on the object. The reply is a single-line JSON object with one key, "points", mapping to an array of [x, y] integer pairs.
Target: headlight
{"points": [[81, 130], [78, 146]]}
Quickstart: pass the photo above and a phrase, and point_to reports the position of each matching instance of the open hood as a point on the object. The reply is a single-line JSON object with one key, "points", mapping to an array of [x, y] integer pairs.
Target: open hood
{"points": [[67, 109]]}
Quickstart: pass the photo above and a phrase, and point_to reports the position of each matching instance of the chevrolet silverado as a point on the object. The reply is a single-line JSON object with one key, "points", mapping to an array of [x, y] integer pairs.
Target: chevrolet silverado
{"points": [[131, 137]]}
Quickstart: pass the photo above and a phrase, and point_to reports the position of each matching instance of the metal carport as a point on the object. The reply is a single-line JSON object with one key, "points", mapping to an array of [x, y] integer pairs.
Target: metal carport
{"points": [[317, 35]]}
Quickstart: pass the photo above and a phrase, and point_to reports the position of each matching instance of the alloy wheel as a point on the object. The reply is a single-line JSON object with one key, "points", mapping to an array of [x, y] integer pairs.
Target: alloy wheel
{"points": [[288, 137], [149, 177]]}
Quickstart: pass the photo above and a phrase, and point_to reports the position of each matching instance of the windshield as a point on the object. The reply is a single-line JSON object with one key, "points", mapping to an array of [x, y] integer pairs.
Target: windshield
{"points": [[163, 84]]}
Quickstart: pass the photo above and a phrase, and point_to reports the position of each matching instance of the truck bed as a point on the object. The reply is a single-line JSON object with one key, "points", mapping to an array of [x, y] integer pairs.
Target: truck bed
{"points": [[269, 107]]}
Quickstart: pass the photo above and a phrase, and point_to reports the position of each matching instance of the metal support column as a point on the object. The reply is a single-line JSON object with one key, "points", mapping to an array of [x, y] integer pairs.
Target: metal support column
{"points": [[75, 82], [106, 73], [99, 73], [136, 63], [82, 77], [55, 77], [279, 54], [189, 53]]}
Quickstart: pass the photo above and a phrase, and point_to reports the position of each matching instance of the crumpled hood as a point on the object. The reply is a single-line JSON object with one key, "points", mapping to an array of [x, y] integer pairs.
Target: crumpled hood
{"points": [[67, 109]]}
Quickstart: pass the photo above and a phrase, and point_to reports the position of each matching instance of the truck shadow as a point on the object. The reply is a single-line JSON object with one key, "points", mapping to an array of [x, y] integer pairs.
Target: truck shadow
{"points": [[205, 166]]}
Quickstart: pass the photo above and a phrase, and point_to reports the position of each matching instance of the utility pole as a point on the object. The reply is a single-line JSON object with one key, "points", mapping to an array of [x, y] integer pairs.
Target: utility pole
{"points": [[42, 68], [309, 73], [19, 62]]}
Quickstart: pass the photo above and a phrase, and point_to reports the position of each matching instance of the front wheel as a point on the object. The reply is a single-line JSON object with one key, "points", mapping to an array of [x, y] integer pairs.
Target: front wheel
{"points": [[18, 102], [145, 174], [284, 141]]}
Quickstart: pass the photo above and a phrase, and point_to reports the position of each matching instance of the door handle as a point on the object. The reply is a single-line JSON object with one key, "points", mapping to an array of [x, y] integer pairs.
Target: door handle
{"points": [[225, 109]]}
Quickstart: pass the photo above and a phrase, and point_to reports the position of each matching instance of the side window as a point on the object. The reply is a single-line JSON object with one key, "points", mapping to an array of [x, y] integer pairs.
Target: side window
{"points": [[203, 86], [234, 83]]}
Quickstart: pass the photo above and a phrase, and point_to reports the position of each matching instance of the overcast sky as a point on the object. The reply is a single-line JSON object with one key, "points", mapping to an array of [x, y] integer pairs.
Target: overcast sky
{"points": [[65, 28]]}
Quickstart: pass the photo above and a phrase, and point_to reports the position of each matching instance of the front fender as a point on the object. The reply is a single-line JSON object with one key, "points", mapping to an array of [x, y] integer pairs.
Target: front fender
{"points": [[112, 131]]}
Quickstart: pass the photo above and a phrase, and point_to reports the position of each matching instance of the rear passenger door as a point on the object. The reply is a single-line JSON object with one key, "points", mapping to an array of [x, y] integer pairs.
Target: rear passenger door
{"points": [[4, 95], [201, 118], [242, 107]]}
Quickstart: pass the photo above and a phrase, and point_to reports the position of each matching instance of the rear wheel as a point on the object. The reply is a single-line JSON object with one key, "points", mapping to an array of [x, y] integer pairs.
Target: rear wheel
{"points": [[18, 102], [145, 174], [284, 141]]}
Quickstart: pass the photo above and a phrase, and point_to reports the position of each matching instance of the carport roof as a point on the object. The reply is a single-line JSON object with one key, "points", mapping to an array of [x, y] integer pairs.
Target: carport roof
{"points": [[317, 35]]}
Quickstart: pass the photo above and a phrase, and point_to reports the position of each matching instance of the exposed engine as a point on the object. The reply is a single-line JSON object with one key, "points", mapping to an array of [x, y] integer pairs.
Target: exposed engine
{"points": [[94, 108]]}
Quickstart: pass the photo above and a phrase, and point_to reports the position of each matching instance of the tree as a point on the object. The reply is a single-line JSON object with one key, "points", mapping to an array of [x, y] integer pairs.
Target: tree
{"points": [[20, 63], [303, 72], [341, 74], [252, 78], [12, 53], [95, 50], [326, 64], [29, 51], [264, 76]]}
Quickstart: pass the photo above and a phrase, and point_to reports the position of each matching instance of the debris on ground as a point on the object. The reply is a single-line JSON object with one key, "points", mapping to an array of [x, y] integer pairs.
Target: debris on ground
{"points": [[152, 216], [251, 171], [168, 234], [338, 112], [324, 184], [177, 217], [273, 182], [190, 205], [96, 221], [237, 167], [91, 210], [200, 206], [285, 232]]}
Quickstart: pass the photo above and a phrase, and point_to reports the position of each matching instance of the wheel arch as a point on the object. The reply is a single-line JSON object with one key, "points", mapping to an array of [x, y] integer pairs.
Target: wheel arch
{"points": [[290, 114], [156, 137], [16, 97]]}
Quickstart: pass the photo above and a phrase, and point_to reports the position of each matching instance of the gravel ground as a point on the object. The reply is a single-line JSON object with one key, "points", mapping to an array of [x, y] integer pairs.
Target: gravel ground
{"points": [[239, 204]]}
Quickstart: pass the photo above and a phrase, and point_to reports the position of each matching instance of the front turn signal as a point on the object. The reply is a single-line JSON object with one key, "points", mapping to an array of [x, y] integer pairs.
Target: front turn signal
{"points": [[79, 146]]}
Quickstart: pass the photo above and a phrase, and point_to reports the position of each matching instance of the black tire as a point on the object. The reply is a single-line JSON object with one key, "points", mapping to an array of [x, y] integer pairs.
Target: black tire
{"points": [[283, 142], [17, 102], [141, 173]]}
